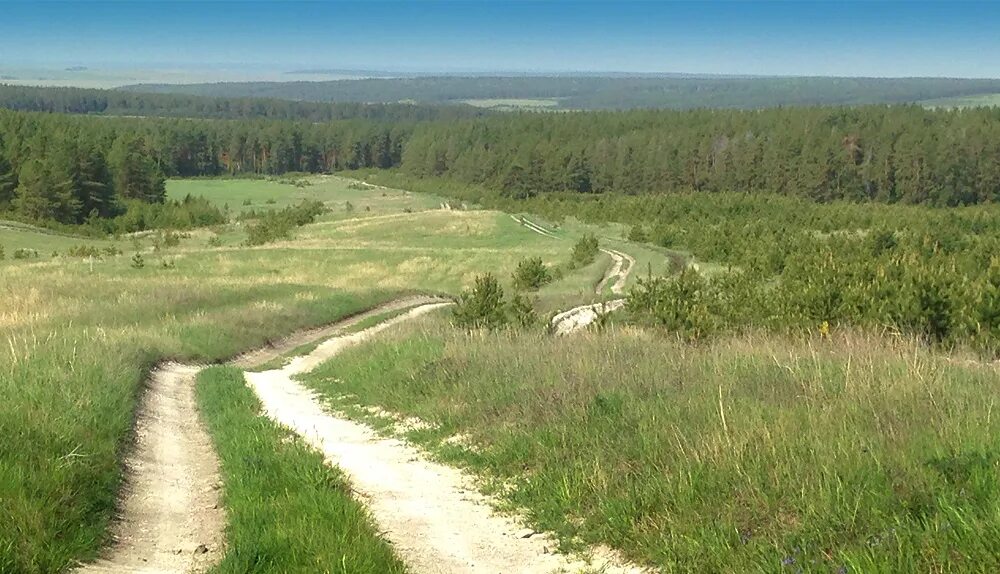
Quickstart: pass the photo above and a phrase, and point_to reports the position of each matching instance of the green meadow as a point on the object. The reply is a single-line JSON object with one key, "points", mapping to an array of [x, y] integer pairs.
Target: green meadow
{"points": [[80, 335], [843, 450]]}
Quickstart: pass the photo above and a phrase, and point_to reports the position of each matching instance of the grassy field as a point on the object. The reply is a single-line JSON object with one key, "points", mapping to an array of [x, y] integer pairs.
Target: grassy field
{"points": [[15, 236], [515, 104], [79, 340], [848, 454], [257, 194], [851, 452], [982, 100]]}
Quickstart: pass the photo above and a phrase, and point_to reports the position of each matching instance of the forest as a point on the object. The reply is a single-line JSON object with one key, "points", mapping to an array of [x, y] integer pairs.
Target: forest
{"points": [[122, 103], [68, 168], [73, 169], [604, 92]]}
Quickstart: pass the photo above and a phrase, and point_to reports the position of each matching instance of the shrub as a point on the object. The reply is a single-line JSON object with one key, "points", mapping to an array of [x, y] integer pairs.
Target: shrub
{"points": [[531, 273], [187, 213], [680, 305], [215, 241], [276, 225], [883, 240], [84, 251], [585, 250], [482, 306], [25, 253], [485, 307], [138, 262], [521, 311], [170, 239], [637, 234], [3, 253]]}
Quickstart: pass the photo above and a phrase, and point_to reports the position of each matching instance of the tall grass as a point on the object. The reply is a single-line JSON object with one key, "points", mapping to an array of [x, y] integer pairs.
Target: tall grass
{"points": [[759, 453]]}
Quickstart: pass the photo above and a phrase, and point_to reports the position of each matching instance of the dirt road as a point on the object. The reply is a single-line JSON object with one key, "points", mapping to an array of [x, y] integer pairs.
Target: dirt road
{"points": [[171, 517], [621, 267], [431, 513]]}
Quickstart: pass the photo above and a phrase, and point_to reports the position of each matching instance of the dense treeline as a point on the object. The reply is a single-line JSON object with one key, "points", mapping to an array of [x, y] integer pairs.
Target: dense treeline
{"points": [[595, 92], [120, 103], [881, 153], [71, 169]]}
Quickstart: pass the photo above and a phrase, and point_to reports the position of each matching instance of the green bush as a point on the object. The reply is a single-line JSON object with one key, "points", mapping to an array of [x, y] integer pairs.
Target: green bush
{"points": [[3, 253], [25, 253], [637, 234], [531, 273], [484, 306], [84, 251], [585, 251], [188, 213], [521, 311], [276, 225], [681, 305]]}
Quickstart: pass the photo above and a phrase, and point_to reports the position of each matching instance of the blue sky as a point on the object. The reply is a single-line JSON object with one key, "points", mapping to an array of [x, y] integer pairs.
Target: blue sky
{"points": [[863, 38]]}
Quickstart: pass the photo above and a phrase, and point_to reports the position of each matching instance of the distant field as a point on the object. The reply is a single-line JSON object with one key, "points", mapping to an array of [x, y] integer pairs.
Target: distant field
{"points": [[982, 100], [257, 194], [514, 104]]}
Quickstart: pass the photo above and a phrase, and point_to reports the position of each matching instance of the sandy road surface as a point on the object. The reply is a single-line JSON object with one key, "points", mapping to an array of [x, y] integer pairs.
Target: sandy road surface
{"points": [[621, 267], [432, 513], [279, 347], [171, 517], [579, 317]]}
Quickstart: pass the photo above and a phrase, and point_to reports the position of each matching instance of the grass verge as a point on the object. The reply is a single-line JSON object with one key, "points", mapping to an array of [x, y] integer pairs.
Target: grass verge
{"points": [[287, 510]]}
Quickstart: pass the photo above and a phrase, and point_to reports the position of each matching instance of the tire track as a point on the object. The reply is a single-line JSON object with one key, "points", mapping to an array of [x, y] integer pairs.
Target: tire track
{"points": [[171, 516]]}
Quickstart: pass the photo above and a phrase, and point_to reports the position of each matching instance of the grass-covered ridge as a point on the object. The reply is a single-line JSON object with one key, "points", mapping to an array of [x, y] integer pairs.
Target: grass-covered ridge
{"points": [[848, 453]]}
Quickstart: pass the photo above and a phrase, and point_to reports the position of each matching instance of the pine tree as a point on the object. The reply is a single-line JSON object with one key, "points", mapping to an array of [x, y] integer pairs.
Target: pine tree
{"points": [[35, 195], [134, 172], [7, 183]]}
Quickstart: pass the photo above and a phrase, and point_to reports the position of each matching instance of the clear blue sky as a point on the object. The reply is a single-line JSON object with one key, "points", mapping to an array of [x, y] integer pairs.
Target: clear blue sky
{"points": [[863, 38]]}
